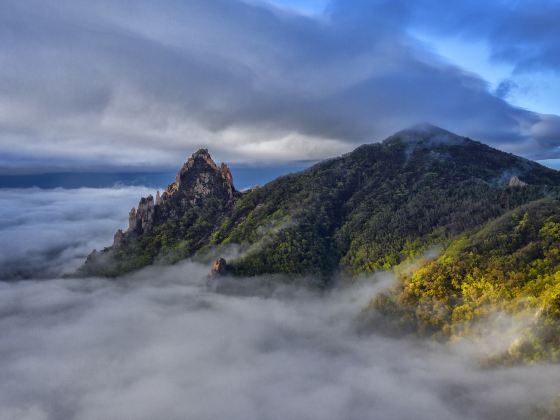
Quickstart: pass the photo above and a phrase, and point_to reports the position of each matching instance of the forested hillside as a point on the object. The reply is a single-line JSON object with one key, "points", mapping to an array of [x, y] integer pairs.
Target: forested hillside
{"points": [[509, 266], [364, 211]]}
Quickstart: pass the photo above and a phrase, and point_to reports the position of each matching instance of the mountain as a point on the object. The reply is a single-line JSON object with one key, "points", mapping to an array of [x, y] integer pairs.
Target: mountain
{"points": [[173, 225], [370, 209], [507, 270]]}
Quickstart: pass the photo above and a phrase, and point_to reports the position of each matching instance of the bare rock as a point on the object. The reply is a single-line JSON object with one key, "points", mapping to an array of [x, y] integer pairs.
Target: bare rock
{"points": [[515, 182], [198, 179], [118, 239], [219, 268], [132, 219], [199, 182]]}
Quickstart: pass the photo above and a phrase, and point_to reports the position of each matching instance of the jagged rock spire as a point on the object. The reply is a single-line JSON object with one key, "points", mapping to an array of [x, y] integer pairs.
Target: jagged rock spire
{"points": [[118, 239], [142, 218], [226, 173], [200, 177], [199, 182], [132, 219], [515, 182], [197, 179]]}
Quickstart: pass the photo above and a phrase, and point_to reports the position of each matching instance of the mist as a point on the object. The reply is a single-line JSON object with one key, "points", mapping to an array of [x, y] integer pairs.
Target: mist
{"points": [[164, 343], [48, 233]]}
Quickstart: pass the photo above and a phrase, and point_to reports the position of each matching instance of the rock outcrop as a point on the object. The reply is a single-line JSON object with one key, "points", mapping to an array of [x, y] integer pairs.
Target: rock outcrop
{"points": [[118, 239], [200, 177], [219, 268], [516, 182], [198, 181], [141, 220]]}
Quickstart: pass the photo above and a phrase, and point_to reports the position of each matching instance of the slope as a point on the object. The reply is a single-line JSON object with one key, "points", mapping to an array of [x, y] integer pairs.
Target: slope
{"points": [[360, 212]]}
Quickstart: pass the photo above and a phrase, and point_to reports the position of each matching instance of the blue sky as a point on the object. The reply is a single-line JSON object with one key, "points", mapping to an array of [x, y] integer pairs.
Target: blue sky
{"points": [[103, 86], [538, 91], [311, 7]]}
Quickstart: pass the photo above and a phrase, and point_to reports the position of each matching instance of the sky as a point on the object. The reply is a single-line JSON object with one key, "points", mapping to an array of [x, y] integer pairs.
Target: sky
{"points": [[134, 86]]}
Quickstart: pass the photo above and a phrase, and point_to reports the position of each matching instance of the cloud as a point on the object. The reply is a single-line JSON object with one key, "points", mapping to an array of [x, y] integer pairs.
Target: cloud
{"points": [[46, 233], [96, 84], [160, 344], [504, 89]]}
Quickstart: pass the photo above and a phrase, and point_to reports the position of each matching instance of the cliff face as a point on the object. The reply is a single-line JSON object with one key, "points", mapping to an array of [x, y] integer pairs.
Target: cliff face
{"points": [[361, 212], [199, 185], [197, 180]]}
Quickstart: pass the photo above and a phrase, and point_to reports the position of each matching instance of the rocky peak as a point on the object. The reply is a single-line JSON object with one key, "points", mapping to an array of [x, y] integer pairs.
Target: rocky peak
{"points": [[200, 177], [197, 179], [200, 159], [515, 182]]}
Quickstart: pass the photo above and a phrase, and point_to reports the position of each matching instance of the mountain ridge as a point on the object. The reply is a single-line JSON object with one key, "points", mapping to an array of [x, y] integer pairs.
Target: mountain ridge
{"points": [[366, 210]]}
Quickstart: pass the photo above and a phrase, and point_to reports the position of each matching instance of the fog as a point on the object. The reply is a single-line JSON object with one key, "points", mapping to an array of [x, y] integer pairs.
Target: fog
{"points": [[49, 232], [162, 344]]}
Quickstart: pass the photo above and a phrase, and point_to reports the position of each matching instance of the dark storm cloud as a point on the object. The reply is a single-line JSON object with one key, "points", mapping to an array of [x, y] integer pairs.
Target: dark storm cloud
{"points": [[146, 82]]}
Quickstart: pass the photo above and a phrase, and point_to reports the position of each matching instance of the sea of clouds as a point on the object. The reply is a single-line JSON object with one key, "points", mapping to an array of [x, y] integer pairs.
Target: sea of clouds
{"points": [[161, 344], [47, 233]]}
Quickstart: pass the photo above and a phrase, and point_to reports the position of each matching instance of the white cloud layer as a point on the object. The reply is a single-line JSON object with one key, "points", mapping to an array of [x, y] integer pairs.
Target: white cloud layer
{"points": [[159, 345], [47, 233]]}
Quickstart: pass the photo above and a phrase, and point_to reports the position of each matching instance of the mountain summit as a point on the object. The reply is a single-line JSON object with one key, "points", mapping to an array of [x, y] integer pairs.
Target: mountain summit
{"points": [[198, 179], [367, 210], [200, 184], [426, 134]]}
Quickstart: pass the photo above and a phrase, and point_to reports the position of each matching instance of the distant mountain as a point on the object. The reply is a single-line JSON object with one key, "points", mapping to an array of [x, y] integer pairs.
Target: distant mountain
{"points": [[246, 176], [72, 180], [367, 210]]}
